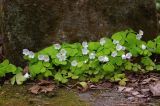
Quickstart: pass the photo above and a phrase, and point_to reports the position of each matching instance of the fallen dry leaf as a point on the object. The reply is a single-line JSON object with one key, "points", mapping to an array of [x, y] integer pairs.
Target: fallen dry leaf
{"points": [[155, 89], [42, 87], [128, 89], [145, 90], [140, 96], [135, 93], [44, 82], [121, 88], [45, 89], [148, 80], [34, 89]]}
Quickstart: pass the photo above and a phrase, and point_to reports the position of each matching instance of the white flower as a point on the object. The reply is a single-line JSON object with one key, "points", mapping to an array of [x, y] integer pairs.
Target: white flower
{"points": [[100, 58], [31, 54], [123, 56], [61, 57], [106, 59], [26, 75], [58, 55], [119, 47], [128, 55], [57, 46], [114, 54], [26, 52], [92, 55], [40, 57], [74, 63], [115, 41], [103, 58], [46, 58], [85, 61], [85, 51], [140, 32], [102, 41], [84, 44], [63, 51], [138, 36], [143, 47], [123, 48]]}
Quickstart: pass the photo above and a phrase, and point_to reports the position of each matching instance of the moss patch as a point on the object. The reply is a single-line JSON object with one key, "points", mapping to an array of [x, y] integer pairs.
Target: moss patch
{"points": [[19, 96]]}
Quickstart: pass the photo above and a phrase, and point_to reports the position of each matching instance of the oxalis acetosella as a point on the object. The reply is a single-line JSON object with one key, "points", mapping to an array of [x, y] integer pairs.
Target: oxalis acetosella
{"points": [[115, 42], [103, 58], [26, 75], [114, 54], [62, 55], [120, 47], [74, 63], [102, 41], [127, 56], [139, 35], [90, 59], [92, 55], [44, 58], [28, 53], [84, 44], [57, 46], [143, 47]]}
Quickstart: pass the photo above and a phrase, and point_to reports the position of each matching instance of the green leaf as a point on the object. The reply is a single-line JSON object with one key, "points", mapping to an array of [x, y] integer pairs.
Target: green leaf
{"points": [[64, 80], [5, 62], [119, 61], [75, 77], [151, 44], [109, 44], [128, 66], [123, 82], [18, 78], [46, 64], [71, 52], [13, 80], [84, 85], [48, 73], [51, 51], [131, 39], [36, 68], [12, 68], [57, 62], [147, 61], [108, 67], [149, 68], [118, 35], [93, 46], [158, 67], [103, 52], [58, 76], [158, 49]]}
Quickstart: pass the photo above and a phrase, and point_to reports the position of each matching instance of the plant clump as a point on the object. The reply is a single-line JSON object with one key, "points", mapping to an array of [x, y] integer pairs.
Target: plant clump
{"points": [[107, 59]]}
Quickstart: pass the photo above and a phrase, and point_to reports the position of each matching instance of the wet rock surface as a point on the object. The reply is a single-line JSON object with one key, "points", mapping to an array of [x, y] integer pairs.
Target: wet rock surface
{"points": [[35, 24]]}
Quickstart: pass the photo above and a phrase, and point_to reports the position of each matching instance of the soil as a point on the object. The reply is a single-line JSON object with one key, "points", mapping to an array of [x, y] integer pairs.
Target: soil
{"points": [[20, 96]]}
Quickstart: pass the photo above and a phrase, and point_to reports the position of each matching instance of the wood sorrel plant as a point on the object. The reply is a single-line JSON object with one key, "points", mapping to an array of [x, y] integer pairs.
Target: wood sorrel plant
{"points": [[108, 58]]}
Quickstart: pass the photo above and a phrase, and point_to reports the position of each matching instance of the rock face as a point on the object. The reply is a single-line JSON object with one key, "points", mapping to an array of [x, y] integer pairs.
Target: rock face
{"points": [[35, 24]]}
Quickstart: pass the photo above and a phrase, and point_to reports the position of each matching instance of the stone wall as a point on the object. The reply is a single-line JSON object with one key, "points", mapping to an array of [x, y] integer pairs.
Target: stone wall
{"points": [[35, 24]]}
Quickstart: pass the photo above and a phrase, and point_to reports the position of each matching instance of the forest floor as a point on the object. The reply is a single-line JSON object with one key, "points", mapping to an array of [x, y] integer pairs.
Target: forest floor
{"points": [[139, 91]]}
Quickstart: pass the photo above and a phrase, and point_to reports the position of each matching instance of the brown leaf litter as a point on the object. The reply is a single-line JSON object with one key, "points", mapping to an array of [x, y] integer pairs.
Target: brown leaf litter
{"points": [[42, 87]]}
